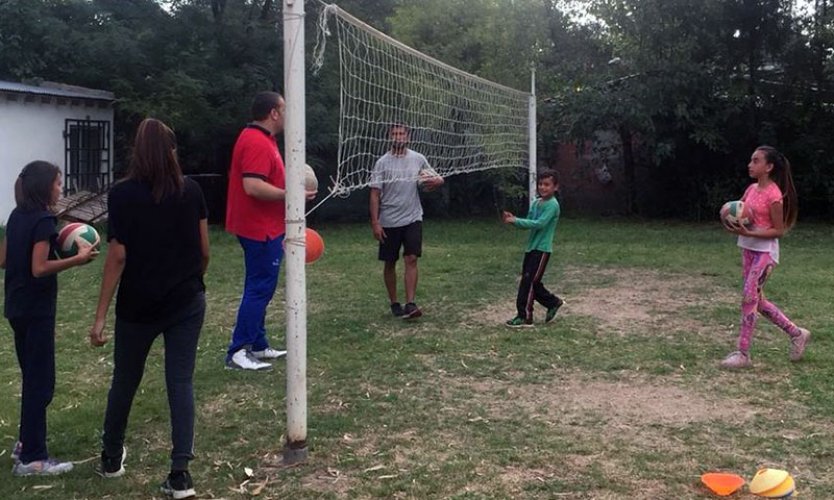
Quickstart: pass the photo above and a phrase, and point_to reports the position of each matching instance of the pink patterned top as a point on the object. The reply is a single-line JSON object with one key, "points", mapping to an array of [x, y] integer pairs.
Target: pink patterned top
{"points": [[757, 204]]}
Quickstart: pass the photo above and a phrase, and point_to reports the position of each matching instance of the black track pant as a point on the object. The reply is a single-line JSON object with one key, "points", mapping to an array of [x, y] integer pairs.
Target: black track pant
{"points": [[531, 290]]}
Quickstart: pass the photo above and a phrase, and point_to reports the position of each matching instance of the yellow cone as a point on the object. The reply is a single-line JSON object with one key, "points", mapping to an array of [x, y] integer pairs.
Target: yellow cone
{"points": [[783, 490], [768, 481]]}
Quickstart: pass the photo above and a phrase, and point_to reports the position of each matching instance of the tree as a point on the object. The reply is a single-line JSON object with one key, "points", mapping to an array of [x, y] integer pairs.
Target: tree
{"points": [[691, 85], [684, 81]]}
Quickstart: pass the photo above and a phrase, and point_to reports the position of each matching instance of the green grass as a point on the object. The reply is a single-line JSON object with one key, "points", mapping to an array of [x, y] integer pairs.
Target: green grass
{"points": [[620, 397]]}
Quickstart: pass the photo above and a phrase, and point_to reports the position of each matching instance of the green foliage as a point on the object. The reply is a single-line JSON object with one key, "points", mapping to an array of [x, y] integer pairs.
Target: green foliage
{"points": [[492, 39], [193, 67], [698, 84], [691, 85]]}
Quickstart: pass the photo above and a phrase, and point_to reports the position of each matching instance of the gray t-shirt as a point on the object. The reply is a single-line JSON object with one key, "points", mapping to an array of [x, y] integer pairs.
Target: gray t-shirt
{"points": [[396, 178]]}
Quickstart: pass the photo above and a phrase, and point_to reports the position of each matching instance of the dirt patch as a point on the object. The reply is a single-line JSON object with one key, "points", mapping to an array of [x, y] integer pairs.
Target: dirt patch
{"points": [[626, 300], [644, 404], [387, 457], [621, 404], [328, 481], [517, 480], [621, 298]]}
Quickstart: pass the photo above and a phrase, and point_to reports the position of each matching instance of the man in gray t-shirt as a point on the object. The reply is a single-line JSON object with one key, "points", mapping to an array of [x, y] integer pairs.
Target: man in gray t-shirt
{"points": [[397, 215]]}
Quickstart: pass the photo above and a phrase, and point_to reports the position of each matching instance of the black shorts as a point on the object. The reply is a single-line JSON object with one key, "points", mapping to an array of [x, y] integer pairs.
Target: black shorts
{"points": [[409, 237]]}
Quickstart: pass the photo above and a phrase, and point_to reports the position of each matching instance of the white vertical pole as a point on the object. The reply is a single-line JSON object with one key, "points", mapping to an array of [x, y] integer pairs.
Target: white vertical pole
{"points": [[531, 125], [295, 448]]}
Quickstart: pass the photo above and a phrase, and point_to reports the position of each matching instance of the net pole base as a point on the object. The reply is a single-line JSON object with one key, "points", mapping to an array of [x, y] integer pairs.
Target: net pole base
{"points": [[295, 453]]}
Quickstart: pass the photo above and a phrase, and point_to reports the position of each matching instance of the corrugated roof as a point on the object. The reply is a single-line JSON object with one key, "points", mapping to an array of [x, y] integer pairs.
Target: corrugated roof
{"points": [[57, 90]]}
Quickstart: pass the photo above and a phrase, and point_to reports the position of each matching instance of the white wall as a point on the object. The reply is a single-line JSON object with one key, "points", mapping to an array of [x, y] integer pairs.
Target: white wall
{"points": [[35, 131]]}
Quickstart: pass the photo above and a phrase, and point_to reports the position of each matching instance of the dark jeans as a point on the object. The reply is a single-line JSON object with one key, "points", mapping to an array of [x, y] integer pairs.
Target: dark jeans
{"points": [[132, 343], [34, 343], [531, 289]]}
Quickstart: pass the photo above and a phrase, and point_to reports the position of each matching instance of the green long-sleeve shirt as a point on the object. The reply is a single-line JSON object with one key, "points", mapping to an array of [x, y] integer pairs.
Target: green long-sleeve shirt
{"points": [[541, 219]]}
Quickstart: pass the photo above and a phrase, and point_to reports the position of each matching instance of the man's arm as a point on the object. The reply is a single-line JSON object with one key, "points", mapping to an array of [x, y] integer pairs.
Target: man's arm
{"points": [[379, 233], [259, 189]]}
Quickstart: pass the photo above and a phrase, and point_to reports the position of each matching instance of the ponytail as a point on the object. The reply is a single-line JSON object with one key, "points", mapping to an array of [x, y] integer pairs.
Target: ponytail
{"points": [[781, 175]]}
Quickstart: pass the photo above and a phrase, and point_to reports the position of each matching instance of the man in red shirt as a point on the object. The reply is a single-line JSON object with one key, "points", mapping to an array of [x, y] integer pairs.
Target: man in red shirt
{"points": [[255, 213]]}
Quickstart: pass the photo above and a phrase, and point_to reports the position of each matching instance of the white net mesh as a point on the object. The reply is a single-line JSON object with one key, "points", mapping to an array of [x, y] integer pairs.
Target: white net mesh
{"points": [[460, 122]]}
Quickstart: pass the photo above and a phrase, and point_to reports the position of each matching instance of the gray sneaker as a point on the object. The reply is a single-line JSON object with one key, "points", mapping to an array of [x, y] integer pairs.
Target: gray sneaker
{"points": [[48, 467], [798, 344], [737, 360], [16, 451]]}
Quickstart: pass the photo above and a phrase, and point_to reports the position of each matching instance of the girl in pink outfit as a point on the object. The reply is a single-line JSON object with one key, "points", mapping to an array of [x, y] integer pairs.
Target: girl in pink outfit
{"points": [[770, 204]]}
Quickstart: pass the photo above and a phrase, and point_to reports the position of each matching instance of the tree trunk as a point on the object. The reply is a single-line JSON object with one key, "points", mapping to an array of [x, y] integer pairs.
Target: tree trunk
{"points": [[265, 10], [628, 169], [217, 9]]}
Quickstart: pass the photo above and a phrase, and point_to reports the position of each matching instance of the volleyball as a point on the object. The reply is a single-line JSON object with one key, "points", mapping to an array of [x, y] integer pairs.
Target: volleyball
{"points": [[733, 214], [426, 174], [314, 246], [311, 182], [69, 236]]}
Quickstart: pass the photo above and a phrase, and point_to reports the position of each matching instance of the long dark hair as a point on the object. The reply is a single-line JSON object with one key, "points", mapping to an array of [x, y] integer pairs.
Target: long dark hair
{"points": [[781, 175], [33, 187], [154, 159]]}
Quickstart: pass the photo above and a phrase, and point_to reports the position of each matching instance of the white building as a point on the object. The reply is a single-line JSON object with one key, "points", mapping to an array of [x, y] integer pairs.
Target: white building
{"points": [[69, 126]]}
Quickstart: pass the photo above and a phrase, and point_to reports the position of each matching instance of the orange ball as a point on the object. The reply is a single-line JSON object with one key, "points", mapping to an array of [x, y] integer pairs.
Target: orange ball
{"points": [[314, 245]]}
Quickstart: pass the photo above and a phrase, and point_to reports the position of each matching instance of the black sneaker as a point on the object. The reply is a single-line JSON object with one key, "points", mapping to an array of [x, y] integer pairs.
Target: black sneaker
{"points": [[397, 309], [519, 322], [551, 312], [113, 466], [178, 485], [411, 311]]}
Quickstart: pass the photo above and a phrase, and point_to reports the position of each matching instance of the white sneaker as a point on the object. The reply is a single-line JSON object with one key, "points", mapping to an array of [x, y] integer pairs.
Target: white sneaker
{"points": [[737, 360], [48, 467], [799, 343], [269, 353], [243, 360]]}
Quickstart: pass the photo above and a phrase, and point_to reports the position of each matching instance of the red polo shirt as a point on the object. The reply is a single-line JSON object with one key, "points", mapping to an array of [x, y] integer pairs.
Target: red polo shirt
{"points": [[255, 155]]}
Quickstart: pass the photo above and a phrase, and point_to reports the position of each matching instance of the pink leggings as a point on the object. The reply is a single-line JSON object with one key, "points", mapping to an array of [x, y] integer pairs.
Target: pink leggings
{"points": [[756, 267]]}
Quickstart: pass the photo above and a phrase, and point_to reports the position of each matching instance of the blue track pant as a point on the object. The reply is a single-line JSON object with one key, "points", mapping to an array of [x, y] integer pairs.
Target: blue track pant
{"points": [[263, 261]]}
